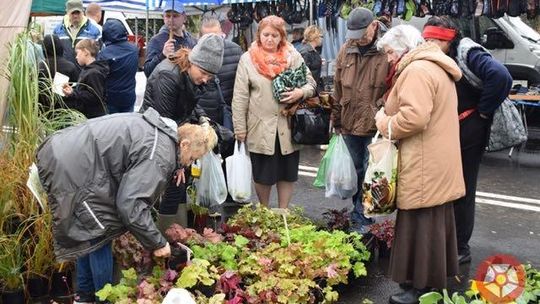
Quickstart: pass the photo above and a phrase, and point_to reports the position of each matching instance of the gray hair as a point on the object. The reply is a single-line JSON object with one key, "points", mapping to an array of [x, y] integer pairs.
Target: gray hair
{"points": [[401, 39]]}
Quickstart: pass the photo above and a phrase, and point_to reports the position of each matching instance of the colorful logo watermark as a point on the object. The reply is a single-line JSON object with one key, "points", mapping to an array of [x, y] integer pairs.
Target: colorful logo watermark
{"points": [[500, 279]]}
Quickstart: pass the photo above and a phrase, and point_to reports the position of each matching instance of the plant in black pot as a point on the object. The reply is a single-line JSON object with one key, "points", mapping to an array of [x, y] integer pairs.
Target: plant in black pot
{"points": [[62, 283], [200, 213], [384, 233], [40, 255], [11, 265]]}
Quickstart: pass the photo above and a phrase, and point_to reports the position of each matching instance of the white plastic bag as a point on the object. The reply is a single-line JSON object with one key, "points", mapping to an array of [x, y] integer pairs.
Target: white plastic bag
{"points": [[211, 189], [239, 173], [178, 295], [341, 178], [380, 182]]}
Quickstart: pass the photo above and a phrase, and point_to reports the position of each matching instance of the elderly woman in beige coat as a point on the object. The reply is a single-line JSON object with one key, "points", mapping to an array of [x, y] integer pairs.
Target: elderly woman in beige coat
{"points": [[421, 109], [257, 116]]}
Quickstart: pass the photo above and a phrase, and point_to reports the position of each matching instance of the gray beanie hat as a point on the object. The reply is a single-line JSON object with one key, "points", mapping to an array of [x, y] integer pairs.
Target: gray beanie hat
{"points": [[208, 53]]}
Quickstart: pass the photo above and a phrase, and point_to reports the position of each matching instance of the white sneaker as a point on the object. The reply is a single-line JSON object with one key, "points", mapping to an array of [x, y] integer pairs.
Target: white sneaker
{"points": [[323, 147]]}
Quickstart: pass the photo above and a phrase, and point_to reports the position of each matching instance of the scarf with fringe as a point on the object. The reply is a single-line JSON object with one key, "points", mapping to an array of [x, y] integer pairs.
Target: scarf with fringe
{"points": [[269, 64]]}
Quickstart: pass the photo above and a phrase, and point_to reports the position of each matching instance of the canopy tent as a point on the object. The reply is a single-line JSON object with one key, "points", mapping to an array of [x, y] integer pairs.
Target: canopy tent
{"points": [[48, 7], [156, 5]]}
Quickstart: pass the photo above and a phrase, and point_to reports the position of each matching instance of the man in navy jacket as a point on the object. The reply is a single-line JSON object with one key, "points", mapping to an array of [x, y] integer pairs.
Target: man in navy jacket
{"points": [[161, 46], [122, 57]]}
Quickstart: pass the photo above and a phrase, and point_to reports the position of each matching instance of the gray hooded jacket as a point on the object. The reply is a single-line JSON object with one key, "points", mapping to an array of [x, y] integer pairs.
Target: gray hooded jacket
{"points": [[102, 178]]}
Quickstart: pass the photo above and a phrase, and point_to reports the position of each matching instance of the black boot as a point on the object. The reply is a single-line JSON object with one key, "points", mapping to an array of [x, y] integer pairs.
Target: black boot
{"points": [[409, 296], [464, 258]]}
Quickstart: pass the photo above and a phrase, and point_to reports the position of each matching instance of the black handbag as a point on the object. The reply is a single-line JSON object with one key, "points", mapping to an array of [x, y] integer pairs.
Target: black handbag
{"points": [[311, 126]]}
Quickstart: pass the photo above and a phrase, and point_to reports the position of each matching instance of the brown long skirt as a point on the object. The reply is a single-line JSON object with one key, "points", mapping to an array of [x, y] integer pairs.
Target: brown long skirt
{"points": [[424, 251]]}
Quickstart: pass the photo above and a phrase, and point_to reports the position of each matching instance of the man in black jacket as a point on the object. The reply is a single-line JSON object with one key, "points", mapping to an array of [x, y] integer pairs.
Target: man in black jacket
{"points": [[217, 96]]}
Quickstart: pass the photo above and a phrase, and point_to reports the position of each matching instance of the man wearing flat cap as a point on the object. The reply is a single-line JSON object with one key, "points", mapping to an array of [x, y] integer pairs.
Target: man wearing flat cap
{"points": [[74, 28], [359, 85], [170, 38]]}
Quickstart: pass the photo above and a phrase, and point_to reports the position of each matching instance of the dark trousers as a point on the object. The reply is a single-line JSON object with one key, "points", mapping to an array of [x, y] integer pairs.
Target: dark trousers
{"points": [[474, 134], [357, 146], [174, 195]]}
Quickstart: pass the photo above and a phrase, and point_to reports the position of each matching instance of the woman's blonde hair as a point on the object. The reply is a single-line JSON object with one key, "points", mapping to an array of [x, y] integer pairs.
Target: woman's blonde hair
{"points": [[312, 33], [202, 138], [180, 58]]}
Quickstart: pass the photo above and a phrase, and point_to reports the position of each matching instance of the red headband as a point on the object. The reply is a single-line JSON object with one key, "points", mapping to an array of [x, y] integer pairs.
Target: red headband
{"points": [[440, 33]]}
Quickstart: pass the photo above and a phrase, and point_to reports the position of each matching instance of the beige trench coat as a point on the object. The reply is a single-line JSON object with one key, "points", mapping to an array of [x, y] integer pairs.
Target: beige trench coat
{"points": [[256, 112], [422, 107]]}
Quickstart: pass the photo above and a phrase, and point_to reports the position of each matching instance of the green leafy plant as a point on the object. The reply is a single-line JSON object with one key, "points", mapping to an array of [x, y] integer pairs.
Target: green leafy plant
{"points": [[219, 254], [530, 295], [11, 262], [125, 290], [198, 272]]}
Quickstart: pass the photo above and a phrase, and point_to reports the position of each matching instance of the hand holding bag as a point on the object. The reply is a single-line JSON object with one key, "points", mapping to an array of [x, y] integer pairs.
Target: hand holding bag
{"points": [[379, 187], [239, 173]]}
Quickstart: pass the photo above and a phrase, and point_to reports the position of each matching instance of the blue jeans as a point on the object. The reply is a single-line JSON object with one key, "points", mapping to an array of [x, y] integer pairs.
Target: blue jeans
{"points": [[357, 146], [94, 270], [120, 109]]}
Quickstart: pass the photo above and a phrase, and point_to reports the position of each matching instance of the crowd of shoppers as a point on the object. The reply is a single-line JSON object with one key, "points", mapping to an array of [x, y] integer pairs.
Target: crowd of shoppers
{"points": [[435, 90]]}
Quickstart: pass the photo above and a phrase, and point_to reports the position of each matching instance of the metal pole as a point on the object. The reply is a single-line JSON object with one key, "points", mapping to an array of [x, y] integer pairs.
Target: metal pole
{"points": [[136, 31], [310, 12], [147, 17]]}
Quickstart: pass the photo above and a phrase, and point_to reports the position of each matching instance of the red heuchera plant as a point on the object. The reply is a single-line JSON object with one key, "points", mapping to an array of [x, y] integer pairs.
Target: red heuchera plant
{"points": [[384, 231], [257, 239], [229, 284], [337, 219], [177, 233], [129, 252]]}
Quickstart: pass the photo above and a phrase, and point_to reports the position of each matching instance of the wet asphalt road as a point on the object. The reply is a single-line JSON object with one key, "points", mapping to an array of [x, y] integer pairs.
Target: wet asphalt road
{"points": [[506, 222]]}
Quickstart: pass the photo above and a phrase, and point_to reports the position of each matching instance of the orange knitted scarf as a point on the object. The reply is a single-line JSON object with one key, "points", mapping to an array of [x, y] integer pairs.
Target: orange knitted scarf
{"points": [[269, 64]]}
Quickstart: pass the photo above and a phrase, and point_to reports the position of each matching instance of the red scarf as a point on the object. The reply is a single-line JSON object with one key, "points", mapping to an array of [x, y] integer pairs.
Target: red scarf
{"points": [[390, 77], [269, 64], [439, 33]]}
